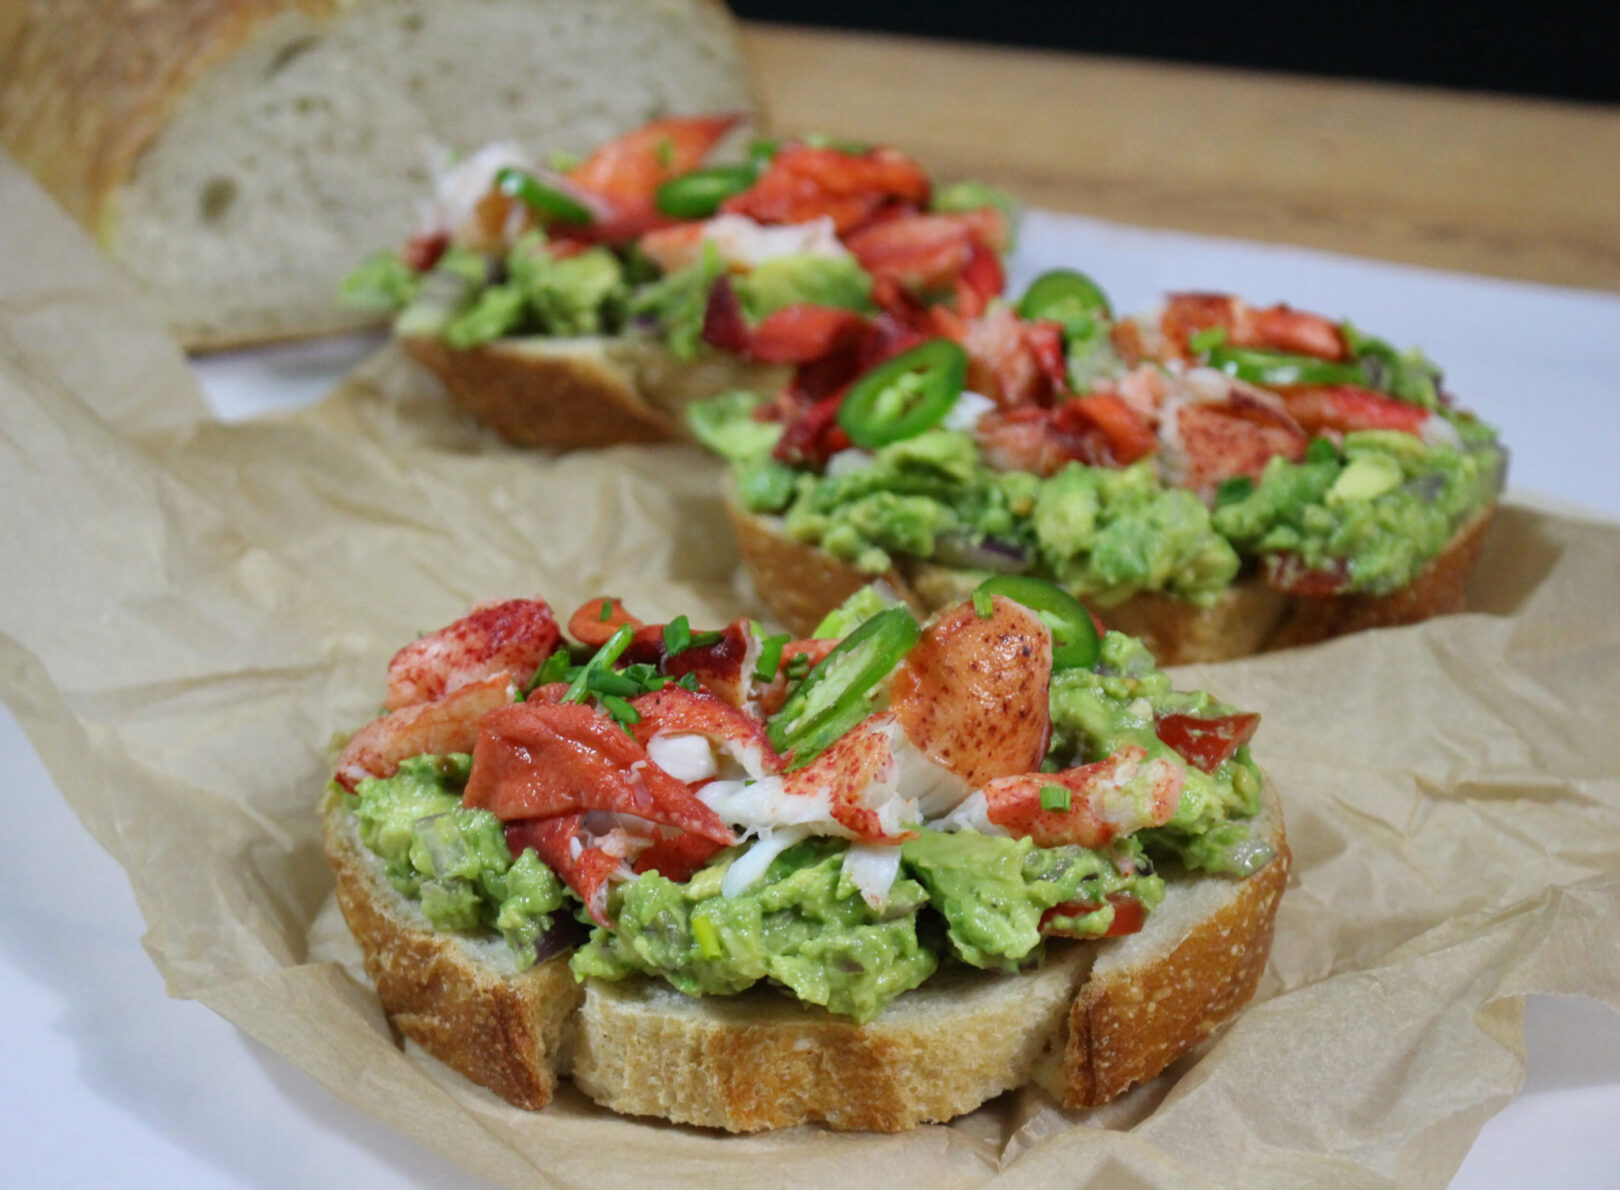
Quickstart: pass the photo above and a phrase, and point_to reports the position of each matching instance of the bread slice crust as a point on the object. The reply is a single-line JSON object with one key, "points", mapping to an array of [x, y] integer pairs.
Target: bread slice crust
{"points": [[1096, 1018], [498, 1027], [584, 392], [800, 583]]}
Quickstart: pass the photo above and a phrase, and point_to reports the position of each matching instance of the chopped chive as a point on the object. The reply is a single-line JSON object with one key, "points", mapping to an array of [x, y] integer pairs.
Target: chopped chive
{"points": [[602, 659], [606, 613], [707, 937], [677, 635], [1321, 450], [688, 682], [1055, 798], [607, 681], [770, 657], [702, 640], [619, 709], [1232, 490], [1207, 339], [552, 669], [982, 605], [666, 153]]}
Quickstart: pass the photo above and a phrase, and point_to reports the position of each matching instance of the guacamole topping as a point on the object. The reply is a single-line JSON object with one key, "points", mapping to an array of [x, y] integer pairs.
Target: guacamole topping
{"points": [[1363, 511], [455, 861], [632, 240], [801, 923]]}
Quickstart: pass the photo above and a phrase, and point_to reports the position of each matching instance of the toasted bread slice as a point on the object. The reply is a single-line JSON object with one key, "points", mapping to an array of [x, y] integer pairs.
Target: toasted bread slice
{"points": [[800, 584], [585, 392], [1094, 1019]]}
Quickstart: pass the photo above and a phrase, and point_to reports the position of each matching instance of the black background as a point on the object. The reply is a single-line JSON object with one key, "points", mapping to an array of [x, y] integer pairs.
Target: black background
{"points": [[1562, 50]]}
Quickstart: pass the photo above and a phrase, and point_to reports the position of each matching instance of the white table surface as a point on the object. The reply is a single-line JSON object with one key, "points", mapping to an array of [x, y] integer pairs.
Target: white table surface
{"points": [[104, 1081]]}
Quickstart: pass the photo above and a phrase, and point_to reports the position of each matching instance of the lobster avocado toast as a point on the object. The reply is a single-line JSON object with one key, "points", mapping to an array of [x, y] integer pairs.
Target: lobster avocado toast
{"points": [[870, 878], [1217, 479], [586, 301]]}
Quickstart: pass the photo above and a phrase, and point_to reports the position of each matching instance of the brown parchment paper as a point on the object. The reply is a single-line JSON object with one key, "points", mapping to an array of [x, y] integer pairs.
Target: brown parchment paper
{"points": [[191, 610]]}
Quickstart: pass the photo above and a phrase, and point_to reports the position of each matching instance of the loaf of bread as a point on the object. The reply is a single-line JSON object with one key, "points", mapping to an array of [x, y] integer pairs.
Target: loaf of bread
{"points": [[238, 156]]}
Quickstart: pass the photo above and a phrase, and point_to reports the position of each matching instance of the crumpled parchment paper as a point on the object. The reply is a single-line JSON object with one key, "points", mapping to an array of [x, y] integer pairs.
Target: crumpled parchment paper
{"points": [[192, 610]]}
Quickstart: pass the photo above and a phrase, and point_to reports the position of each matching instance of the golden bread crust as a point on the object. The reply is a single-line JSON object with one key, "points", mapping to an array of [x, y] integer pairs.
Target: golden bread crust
{"points": [[1095, 1018], [502, 1031], [1439, 590], [800, 584], [586, 392], [762, 1061], [1128, 1025]]}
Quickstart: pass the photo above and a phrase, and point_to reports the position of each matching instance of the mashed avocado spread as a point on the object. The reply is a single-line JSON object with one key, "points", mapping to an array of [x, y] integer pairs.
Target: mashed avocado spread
{"points": [[470, 297], [1381, 504], [961, 899]]}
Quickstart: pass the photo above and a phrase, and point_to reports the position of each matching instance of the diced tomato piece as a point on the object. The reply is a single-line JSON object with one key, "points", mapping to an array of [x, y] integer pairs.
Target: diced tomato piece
{"points": [[646, 647], [588, 626], [800, 333], [1347, 407], [1287, 572], [630, 168], [1096, 622], [815, 436], [1207, 742], [422, 252], [809, 405], [724, 325], [677, 857], [1129, 915]]}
